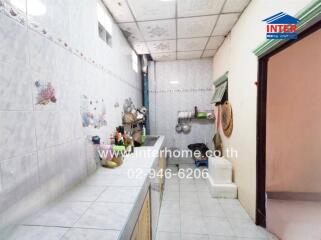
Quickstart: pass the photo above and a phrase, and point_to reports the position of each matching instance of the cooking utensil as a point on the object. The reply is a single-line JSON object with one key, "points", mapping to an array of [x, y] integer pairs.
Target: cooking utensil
{"points": [[227, 119], [186, 127], [217, 141], [178, 127]]}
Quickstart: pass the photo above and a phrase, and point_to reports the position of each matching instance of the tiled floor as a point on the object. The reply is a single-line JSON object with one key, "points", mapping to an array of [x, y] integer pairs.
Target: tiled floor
{"points": [[188, 212]]}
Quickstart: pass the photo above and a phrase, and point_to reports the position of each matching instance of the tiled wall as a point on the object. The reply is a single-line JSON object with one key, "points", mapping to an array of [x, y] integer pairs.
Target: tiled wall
{"points": [[44, 150], [194, 88]]}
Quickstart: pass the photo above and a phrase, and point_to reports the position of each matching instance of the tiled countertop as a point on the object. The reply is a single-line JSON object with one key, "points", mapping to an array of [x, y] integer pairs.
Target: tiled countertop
{"points": [[105, 206]]}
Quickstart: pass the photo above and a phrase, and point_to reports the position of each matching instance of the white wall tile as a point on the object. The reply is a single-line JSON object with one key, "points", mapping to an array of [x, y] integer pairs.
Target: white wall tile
{"points": [[54, 132], [15, 88], [165, 103], [42, 53], [17, 134], [13, 45], [20, 171], [53, 16]]}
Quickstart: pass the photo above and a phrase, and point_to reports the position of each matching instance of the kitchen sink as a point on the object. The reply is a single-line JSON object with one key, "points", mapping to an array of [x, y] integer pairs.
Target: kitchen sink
{"points": [[150, 141]]}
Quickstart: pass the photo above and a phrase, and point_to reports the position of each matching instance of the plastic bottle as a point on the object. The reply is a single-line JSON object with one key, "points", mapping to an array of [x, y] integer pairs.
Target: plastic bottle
{"points": [[144, 134]]}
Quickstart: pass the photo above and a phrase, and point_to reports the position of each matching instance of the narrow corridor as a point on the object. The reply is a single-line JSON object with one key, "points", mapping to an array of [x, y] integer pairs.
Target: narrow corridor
{"points": [[188, 212]]}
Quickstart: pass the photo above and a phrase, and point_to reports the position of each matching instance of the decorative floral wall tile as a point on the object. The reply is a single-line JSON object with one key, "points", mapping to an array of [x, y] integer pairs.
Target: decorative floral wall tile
{"points": [[93, 112], [46, 93]]}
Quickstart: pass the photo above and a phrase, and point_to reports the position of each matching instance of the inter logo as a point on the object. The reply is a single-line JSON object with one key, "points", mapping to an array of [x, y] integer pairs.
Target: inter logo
{"points": [[281, 26]]}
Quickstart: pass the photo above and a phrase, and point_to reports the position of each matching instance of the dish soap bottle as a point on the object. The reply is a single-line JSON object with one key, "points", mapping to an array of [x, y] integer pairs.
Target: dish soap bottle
{"points": [[143, 135]]}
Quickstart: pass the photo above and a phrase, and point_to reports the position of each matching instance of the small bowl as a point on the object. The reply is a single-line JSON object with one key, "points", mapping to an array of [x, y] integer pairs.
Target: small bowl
{"points": [[178, 128]]}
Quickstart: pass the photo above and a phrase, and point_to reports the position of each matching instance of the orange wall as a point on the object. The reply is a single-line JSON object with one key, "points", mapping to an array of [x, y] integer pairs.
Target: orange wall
{"points": [[294, 118], [293, 151]]}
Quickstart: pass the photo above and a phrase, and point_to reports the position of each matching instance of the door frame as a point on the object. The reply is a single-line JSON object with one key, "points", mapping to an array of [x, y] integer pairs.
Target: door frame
{"points": [[261, 123]]}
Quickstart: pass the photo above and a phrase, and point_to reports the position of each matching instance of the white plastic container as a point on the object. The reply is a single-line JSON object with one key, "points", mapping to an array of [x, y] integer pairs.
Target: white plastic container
{"points": [[222, 190], [220, 170]]}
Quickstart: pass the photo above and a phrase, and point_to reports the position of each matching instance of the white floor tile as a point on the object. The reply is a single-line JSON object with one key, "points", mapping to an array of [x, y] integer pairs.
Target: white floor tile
{"points": [[193, 224], [212, 209], [172, 187], [246, 228], [235, 211], [188, 188], [218, 226], [201, 215], [194, 237], [172, 179], [189, 197], [170, 207], [226, 238], [167, 236], [186, 181], [205, 195], [190, 208], [171, 196], [169, 223], [228, 202]]}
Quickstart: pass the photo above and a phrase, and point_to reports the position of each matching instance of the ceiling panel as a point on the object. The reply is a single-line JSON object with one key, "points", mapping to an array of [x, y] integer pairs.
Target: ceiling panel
{"points": [[232, 6], [188, 8], [215, 42], [176, 29], [208, 53], [145, 10], [189, 55], [162, 46], [195, 27], [164, 56], [119, 10], [140, 47], [158, 30], [191, 44], [225, 23], [131, 31]]}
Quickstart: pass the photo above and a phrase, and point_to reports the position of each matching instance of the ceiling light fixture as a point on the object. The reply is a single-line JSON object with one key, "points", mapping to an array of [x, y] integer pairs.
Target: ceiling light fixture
{"points": [[174, 82]]}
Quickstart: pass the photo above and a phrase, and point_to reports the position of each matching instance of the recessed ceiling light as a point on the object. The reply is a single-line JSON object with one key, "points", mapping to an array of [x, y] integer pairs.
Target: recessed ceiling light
{"points": [[174, 82]]}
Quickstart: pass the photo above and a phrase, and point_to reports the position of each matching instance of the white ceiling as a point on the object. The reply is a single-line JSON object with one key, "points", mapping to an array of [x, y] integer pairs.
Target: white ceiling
{"points": [[176, 29]]}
